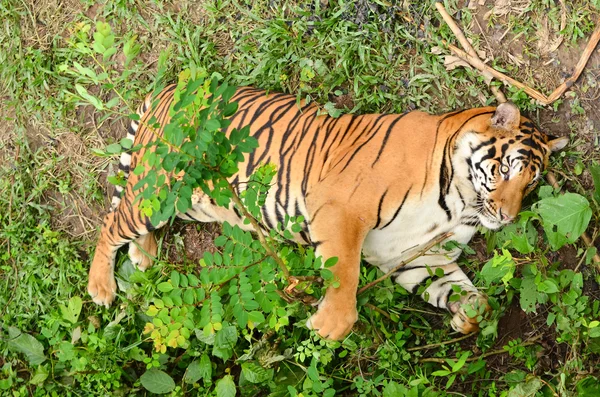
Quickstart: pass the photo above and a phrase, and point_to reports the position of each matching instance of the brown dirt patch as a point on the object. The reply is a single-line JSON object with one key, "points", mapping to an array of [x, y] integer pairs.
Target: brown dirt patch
{"points": [[47, 20], [187, 242], [73, 215]]}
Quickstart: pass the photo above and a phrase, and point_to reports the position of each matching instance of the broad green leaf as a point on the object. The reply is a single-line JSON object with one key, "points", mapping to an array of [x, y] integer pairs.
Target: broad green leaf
{"points": [[526, 389], [72, 310], [24, 343], [225, 340], [393, 389], [175, 277], [112, 103], [194, 372], [254, 373], [567, 215], [500, 267], [548, 286], [226, 387], [332, 110], [41, 374], [126, 143], [528, 294], [157, 381]]}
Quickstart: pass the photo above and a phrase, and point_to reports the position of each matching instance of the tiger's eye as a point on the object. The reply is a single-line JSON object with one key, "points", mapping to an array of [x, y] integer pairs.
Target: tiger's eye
{"points": [[504, 169]]}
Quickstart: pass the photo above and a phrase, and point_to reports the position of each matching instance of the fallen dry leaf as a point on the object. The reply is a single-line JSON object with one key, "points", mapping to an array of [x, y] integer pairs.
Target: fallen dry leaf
{"points": [[505, 7]]}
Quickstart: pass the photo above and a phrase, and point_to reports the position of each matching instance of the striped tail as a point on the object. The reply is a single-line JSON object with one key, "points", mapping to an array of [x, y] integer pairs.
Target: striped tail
{"points": [[125, 160]]}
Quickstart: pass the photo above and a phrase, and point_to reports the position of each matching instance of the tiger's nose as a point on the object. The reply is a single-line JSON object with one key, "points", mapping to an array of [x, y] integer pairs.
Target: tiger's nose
{"points": [[505, 217]]}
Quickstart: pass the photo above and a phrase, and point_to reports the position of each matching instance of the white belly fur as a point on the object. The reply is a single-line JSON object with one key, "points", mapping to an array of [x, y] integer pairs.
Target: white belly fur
{"points": [[417, 224]]}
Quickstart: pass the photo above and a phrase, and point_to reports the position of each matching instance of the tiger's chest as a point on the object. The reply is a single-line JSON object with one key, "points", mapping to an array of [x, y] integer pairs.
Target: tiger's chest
{"points": [[419, 223]]}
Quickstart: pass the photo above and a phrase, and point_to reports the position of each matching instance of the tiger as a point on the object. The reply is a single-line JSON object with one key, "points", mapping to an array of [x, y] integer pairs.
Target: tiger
{"points": [[380, 186]]}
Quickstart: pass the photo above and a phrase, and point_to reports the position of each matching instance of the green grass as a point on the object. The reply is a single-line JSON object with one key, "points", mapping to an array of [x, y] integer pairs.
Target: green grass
{"points": [[368, 56]]}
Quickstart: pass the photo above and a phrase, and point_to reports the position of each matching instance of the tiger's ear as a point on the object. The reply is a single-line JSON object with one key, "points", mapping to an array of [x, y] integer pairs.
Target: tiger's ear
{"points": [[556, 143], [507, 117]]}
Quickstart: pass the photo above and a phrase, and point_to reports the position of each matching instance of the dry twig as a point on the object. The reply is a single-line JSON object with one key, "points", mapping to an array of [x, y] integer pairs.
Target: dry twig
{"points": [[530, 342], [470, 56], [420, 253], [467, 46]]}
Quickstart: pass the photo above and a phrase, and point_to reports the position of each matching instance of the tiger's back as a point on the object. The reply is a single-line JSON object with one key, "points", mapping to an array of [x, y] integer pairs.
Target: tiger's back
{"points": [[376, 183]]}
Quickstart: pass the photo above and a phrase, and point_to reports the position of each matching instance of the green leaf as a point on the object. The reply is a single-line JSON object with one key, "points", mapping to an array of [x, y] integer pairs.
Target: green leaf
{"points": [[588, 387], [72, 310], [526, 389], [198, 369], [126, 143], [189, 296], [112, 103], [226, 387], [500, 267], [567, 215], [332, 110], [548, 286], [528, 295], [330, 262], [85, 71], [157, 381], [595, 171], [225, 340], [113, 148], [393, 389], [212, 125], [26, 344], [254, 373], [165, 286], [97, 103], [41, 374], [175, 278]]}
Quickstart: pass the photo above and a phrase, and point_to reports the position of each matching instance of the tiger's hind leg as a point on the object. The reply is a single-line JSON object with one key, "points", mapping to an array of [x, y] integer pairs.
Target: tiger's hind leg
{"points": [[143, 250], [120, 227]]}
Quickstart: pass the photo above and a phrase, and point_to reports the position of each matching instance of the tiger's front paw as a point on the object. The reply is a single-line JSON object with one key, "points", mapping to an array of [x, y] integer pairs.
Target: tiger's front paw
{"points": [[468, 312], [333, 321], [102, 289]]}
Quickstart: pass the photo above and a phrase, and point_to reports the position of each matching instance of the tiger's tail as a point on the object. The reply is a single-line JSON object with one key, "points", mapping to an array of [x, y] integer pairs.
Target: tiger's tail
{"points": [[125, 160]]}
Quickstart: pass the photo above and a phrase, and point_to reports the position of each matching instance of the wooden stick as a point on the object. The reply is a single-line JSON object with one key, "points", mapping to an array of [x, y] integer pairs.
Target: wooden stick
{"points": [[467, 46], [421, 252], [471, 57], [585, 56], [477, 63], [530, 342], [585, 236]]}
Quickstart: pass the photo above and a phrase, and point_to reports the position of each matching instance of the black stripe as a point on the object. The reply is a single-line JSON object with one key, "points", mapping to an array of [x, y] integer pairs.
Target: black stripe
{"points": [[398, 210], [385, 139], [379, 209]]}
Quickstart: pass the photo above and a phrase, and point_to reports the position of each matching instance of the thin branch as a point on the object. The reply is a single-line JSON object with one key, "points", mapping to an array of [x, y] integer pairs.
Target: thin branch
{"points": [[478, 64], [471, 57], [420, 253], [434, 345], [484, 355], [467, 46]]}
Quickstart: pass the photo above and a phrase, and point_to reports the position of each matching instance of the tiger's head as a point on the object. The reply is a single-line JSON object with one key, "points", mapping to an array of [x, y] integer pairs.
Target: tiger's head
{"points": [[506, 162]]}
